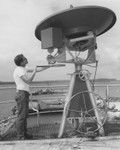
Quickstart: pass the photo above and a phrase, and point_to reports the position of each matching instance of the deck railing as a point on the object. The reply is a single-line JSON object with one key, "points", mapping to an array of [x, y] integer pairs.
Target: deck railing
{"points": [[105, 90], [7, 93]]}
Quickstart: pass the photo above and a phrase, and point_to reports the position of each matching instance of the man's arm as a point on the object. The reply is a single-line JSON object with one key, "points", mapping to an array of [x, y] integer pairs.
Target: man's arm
{"points": [[28, 80], [33, 71], [38, 70]]}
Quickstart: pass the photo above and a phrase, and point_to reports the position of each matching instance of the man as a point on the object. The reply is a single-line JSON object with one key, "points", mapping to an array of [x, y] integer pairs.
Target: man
{"points": [[22, 94]]}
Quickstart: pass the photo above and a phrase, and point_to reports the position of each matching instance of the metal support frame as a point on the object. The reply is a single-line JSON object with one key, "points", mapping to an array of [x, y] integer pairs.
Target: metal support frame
{"points": [[73, 89]]}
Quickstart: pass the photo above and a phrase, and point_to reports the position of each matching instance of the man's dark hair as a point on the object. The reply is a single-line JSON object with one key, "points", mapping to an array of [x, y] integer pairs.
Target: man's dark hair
{"points": [[18, 59]]}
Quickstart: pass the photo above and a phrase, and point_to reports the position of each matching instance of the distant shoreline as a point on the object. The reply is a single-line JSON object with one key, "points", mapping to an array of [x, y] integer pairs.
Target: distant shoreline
{"points": [[37, 82], [100, 80]]}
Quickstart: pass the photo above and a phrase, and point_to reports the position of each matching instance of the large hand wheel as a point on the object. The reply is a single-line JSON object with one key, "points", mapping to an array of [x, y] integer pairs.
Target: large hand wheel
{"points": [[84, 122]]}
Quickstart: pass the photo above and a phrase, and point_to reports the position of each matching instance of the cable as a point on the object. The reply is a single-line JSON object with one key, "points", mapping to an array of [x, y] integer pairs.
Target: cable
{"points": [[87, 112], [82, 76], [95, 75]]}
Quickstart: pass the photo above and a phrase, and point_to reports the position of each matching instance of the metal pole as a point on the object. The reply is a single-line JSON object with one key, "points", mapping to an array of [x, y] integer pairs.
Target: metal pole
{"points": [[93, 101]]}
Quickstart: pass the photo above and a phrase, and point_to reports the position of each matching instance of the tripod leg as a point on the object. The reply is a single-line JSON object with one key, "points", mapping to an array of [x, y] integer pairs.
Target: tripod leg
{"points": [[65, 111], [101, 129]]}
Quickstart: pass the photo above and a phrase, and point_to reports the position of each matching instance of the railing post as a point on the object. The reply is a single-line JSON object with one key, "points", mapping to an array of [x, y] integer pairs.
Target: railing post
{"points": [[107, 91]]}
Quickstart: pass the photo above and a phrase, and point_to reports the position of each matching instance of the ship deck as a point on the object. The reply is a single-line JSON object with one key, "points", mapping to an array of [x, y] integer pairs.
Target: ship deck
{"points": [[104, 143], [45, 128]]}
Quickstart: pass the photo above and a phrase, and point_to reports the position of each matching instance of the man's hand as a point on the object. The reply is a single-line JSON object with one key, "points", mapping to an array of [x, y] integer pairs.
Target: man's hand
{"points": [[35, 69], [46, 67], [42, 68]]}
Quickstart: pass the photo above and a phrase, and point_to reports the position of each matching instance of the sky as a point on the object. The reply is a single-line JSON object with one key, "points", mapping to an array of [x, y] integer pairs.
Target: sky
{"points": [[18, 20]]}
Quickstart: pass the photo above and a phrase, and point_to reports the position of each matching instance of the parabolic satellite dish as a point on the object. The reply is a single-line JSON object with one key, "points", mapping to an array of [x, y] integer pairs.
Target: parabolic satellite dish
{"points": [[76, 21]]}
